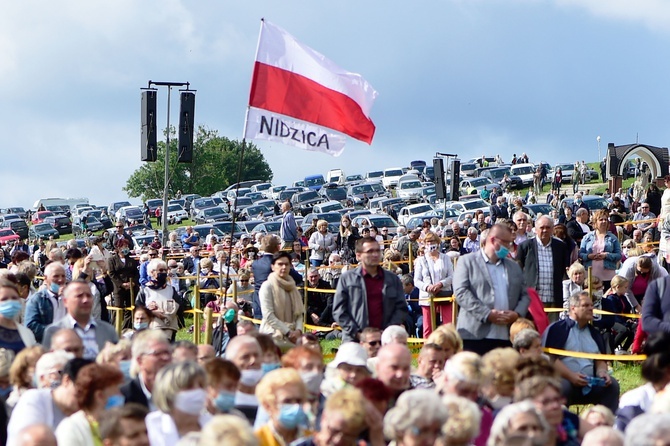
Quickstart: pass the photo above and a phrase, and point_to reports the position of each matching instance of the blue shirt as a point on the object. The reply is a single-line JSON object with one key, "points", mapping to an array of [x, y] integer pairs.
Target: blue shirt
{"points": [[194, 237]]}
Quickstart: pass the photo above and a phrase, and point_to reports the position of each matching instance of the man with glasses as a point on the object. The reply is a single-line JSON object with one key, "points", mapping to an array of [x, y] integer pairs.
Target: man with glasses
{"points": [[120, 234], [521, 220], [645, 214], [583, 380], [151, 352], [491, 293], [368, 296]]}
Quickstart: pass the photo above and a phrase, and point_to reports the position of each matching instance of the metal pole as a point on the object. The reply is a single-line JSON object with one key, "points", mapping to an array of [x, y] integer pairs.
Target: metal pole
{"points": [[167, 171]]}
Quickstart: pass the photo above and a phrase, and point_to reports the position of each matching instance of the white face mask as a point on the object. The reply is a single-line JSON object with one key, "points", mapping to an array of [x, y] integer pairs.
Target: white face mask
{"points": [[251, 377], [345, 224], [191, 401], [498, 402], [312, 381], [431, 248]]}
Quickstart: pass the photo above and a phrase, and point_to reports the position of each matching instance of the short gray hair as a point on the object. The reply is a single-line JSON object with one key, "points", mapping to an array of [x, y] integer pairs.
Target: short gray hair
{"points": [[604, 435], [502, 421], [155, 264], [142, 340], [525, 338], [645, 429], [174, 378], [576, 297], [50, 361], [472, 230], [239, 341], [394, 334], [413, 406]]}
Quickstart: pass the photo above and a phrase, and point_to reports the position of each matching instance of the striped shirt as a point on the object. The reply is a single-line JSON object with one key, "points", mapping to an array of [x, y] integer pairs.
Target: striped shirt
{"points": [[545, 262]]}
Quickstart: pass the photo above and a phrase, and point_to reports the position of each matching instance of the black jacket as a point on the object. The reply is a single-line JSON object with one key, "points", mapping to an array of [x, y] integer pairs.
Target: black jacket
{"points": [[132, 392], [526, 255]]}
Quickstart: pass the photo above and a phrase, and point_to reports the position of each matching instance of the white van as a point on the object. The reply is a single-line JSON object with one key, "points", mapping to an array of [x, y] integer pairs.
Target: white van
{"points": [[71, 202], [524, 171], [391, 177], [335, 176]]}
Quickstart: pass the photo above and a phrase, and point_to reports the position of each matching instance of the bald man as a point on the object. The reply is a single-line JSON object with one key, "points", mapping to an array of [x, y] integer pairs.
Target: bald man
{"points": [[544, 260], [394, 362], [205, 353], [68, 340]]}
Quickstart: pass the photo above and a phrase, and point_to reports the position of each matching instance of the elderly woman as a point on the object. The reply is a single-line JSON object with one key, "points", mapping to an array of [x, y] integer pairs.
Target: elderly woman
{"points": [[281, 303], [283, 395], [600, 249], [528, 343], [97, 389], [21, 373], [433, 274], [13, 336], [545, 393], [346, 240], [243, 286], [416, 419], [498, 376], [249, 254], [519, 419], [575, 283], [321, 243], [180, 396], [448, 338], [345, 415], [174, 244], [228, 429], [160, 298], [463, 419]]}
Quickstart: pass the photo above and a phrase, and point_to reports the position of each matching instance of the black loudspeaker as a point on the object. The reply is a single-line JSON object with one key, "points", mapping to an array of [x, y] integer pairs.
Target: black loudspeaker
{"points": [[149, 144], [186, 120], [614, 165], [440, 187], [454, 194]]}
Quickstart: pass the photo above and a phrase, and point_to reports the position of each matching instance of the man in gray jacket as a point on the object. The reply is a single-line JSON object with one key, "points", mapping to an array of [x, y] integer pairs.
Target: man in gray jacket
{"points": [[78, 301], [491, 293], [368, 296]]}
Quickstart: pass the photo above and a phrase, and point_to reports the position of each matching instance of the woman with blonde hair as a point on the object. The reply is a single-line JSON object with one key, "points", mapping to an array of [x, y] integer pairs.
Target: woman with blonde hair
{"points": [[463, 420], [433, 275], [448, 338], [521, 418], [499, 369], [574, 283], [227, 429], [283, 395], [21, 372], [600, 249], [322, 243], [417, 415]]}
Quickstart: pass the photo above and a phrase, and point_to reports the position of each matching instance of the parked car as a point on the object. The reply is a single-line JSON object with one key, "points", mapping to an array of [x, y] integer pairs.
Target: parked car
{"points": [[333, 191], [274, 191], [391, 176], [525, 171], [20, 227], [409, 188], [211, 215], [7, 235], [21, 212], [469, 205], [60, 223], [535, 209], [38, 217], [115, 206], [252, 212], [378, 220], [412, 211], [268, 227], [92, 224], [201, 203], [497, 174], [302, 202], [176, 214], [153, 204], [330, 217], [329, 206], [593, 202], [476, 184], [43, 230], [130, 214], [103, 218], [417, 222], [468, 169]]}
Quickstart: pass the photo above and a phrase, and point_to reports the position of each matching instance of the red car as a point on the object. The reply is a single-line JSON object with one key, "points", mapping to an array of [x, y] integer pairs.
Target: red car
{"points": [[7, 235], [38, 217]]}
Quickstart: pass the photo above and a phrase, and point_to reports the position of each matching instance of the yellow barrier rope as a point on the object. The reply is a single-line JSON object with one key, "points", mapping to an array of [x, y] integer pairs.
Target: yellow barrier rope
{"points": [[596, 311], [595, 356]]}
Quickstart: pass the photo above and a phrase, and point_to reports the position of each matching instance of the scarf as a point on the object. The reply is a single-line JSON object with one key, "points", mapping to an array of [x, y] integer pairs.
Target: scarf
{"points": [[286, 298]]}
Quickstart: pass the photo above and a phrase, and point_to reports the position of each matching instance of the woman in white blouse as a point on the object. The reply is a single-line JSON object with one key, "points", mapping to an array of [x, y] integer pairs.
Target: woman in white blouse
{"points": [[321, 243], [433, 275]]}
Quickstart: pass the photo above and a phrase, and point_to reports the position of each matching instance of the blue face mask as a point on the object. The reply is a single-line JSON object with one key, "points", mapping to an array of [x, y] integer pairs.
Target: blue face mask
{"points": [[224, 401], [229, 316], [115, 401], [502, 252], [139, 326], [267, 368], [124, 366], [10, 308], [292, 416], [54, 287]]}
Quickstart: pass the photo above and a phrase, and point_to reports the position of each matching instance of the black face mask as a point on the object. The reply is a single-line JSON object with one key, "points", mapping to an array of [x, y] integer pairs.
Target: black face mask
{"points": [[160, 281]]}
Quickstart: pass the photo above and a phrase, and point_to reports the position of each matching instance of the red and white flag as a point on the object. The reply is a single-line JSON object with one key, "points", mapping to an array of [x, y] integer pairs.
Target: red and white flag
{"points": [[299, 97]]}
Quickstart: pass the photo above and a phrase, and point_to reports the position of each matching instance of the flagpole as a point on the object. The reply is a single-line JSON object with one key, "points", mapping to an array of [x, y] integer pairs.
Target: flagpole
{"points": [[232, 226]]}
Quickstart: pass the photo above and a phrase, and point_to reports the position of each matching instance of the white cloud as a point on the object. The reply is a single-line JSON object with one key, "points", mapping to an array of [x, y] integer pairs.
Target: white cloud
{"points": [[654, 14]]}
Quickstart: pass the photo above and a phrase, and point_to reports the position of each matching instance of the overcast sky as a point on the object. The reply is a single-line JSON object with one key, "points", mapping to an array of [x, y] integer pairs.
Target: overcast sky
{"points": [[470, 77]]}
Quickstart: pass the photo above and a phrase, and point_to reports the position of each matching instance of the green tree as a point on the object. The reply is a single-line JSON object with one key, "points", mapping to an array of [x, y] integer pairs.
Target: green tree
{"points": [[214, 167]]}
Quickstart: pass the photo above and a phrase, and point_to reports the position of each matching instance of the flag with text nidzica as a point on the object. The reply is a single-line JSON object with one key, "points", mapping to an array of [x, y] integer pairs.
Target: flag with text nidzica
{"points": [[300, 98]]}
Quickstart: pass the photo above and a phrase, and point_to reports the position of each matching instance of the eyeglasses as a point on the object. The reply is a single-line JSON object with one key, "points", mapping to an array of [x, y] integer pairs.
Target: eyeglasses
{"points": [[244, 281], [374, 343], [119, 227]]}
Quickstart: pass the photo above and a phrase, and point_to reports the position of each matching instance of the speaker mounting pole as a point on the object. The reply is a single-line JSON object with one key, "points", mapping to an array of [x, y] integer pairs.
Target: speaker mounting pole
{"points": [[166, 181]]}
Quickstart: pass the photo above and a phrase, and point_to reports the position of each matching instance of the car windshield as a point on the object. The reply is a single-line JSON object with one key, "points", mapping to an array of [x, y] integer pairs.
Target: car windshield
{"points": [[156, 202], [361, 189], [421, 209], [544, 209], [174, 208], [410, 185], [498, 173], [308, 196], [336, 194], [286, 195], [203, 203], [381, 222], [393, 173], [42, 226], [468, 166], [565, 167], [477, 182], [429, 170], [314, 181], [475, 204], [225, 227], [524, 170], [354, 178], [278, 188], [212, 211], [6, 232], [331, 207], [244, 201], [376, 174], [272, 226], [262, 187]]}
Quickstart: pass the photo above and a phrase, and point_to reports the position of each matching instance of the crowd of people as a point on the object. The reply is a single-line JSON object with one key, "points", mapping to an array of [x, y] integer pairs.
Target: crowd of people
{"points": [[482, 333]]}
